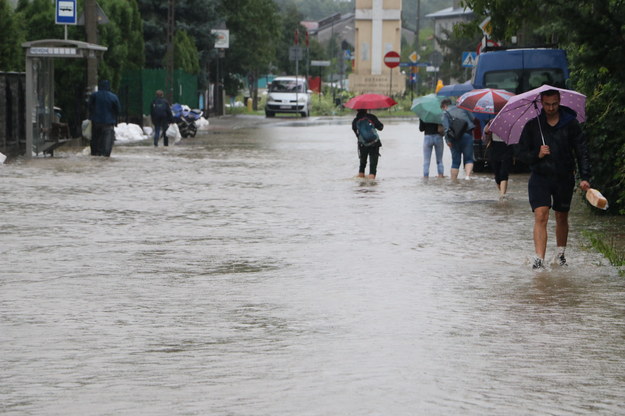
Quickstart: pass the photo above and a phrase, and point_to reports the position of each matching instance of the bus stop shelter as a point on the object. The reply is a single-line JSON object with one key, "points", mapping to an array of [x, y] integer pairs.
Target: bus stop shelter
{"points": [[43, 132]]}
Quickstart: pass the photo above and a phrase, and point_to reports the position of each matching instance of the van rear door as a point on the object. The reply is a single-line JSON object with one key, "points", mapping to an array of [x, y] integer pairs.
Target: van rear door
{"points": [[520, 70]]}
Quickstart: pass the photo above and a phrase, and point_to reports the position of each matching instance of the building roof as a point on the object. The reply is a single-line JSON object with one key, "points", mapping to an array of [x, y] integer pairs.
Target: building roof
{"points": [[449, 12]]}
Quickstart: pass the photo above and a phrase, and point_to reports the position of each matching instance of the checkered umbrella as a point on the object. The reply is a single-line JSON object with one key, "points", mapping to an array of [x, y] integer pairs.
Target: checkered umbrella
{"points": [[485, 100]]}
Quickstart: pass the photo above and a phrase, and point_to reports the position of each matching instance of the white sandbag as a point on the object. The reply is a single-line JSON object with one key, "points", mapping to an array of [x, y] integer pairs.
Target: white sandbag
{"points": [[173, 132], [86, 129], [128, 132], [202, 123], [2, 158]]}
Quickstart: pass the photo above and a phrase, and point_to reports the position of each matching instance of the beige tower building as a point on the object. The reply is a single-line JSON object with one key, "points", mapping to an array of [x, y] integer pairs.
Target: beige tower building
{"points": [[378, 31]]}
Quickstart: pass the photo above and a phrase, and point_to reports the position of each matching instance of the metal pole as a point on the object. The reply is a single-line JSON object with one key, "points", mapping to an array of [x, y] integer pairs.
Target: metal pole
{"points": [[91, 34], [171, 28], [30, 103], [418, 28], [332, 63]]}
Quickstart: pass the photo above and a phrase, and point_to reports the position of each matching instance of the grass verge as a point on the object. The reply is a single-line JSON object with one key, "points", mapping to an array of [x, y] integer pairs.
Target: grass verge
{"points": [[607, 245]]}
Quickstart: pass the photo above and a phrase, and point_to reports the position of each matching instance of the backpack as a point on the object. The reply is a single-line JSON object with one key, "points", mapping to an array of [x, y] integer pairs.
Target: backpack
{"points": [[159, 109], [367, 134], [457, 128]]}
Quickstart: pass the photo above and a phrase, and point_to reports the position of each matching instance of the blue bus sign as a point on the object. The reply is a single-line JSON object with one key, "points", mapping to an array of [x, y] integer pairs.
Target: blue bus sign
{"points": [[65, 12]]}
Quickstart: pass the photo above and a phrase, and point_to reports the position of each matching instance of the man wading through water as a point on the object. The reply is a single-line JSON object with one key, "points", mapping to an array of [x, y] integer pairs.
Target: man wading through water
{"points": [[552, 163]]}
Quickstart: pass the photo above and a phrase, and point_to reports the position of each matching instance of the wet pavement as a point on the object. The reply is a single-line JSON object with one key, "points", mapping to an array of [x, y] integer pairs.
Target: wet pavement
{"points": [[247, 272]]}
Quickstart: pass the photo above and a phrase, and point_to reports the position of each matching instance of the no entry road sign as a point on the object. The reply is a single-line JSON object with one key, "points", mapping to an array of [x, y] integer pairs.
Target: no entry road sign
{"points": [[391, 59]]}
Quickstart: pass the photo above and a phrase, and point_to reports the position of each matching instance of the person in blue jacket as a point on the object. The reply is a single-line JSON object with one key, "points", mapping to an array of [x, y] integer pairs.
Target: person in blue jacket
{"points": [[552, 144], [104, 109]]}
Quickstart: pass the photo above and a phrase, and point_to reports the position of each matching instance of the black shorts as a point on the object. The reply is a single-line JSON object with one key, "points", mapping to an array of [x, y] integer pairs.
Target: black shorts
{"points": [[553, 192]]}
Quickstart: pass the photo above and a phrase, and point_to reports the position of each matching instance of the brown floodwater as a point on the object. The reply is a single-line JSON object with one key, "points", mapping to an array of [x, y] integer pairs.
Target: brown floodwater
{"points": [[247, 272]]}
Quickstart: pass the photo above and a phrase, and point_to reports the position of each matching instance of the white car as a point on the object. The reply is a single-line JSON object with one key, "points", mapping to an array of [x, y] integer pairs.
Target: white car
{"points": [[288, 95]]}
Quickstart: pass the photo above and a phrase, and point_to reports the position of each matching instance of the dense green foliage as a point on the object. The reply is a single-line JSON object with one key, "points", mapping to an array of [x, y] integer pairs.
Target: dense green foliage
{"points": [[122, 36], [186, 53], [11, 39], [318, 9], [196, 19], [254, 36], [593, 33]]}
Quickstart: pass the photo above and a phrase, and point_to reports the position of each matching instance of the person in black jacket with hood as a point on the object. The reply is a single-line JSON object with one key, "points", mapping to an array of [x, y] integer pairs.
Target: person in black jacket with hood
{"points": [[552, 144], [104, 108]]}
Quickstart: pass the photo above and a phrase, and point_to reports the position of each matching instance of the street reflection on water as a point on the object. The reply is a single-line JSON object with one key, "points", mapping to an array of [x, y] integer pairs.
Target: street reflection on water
{"points": [[247, 272]]}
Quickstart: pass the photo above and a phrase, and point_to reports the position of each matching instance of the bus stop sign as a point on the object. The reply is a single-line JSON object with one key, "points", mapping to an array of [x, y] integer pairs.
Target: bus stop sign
{"points": [[65, 12]]}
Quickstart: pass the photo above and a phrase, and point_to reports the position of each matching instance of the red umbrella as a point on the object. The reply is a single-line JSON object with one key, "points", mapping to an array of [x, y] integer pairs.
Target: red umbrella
{"points": [[370, 102], [485, 100]]}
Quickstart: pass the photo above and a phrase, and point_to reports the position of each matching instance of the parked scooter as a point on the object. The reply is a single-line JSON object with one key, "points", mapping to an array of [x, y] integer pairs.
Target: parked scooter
{"points": [[185, 118]]}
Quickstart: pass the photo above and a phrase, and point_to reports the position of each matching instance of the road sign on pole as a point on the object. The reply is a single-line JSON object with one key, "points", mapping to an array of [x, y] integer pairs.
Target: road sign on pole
{"points": [[469, 59], [319, 63], [295, 53], [65, 12], [391, 59]]}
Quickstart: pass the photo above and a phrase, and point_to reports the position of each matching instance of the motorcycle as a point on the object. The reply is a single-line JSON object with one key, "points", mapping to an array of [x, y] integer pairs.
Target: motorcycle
{"points": [[185, 118]]}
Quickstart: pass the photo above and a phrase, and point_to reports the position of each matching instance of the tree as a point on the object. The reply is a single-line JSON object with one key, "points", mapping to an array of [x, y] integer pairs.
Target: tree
{"points": [[254, 27], [456, 42], [185, 53], [123, 37], [317, 9], [593, 33], [291, 19], [37, 20], [195, 17], [11, 55]]}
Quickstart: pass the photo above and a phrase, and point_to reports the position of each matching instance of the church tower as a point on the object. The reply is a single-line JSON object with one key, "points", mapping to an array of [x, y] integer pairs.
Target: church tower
{"points": [[378, 31]]}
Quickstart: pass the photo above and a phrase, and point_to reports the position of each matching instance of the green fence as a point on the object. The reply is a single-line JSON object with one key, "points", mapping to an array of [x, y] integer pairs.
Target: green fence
{"points": [[137, 89]]}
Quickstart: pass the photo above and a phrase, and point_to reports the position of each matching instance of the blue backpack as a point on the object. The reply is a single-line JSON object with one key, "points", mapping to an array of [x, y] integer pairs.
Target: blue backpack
{"points": [[367, 134]]}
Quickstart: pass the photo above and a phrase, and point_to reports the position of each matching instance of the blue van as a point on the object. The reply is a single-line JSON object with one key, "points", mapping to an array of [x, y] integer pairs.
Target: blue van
{"points": [[517, 71], [520, 70]]}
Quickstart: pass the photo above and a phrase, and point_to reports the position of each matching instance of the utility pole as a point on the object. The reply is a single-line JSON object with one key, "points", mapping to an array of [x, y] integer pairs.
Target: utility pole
{"points": [[91, 34], [171, 29], [418, 28]]}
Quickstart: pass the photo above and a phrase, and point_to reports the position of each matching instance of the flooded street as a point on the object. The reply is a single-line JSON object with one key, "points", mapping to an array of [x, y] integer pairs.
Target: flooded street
{"points": [[247, 272]]}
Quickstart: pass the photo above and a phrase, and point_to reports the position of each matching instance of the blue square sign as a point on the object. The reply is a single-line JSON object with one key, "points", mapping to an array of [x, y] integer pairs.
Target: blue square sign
{"points": [[65, 12], [469, 59]]}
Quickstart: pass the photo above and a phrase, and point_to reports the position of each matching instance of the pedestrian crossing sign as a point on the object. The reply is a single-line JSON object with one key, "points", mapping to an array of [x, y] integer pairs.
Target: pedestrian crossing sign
{"points": [[469, 59]]}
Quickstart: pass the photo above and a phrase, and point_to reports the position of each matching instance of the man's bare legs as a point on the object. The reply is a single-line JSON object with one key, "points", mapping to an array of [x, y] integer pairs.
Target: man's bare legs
{"points": [[503, 188], [541, 217], [562, 228]]}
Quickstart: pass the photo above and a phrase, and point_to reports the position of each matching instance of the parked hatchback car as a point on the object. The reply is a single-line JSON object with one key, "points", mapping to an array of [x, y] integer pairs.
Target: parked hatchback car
{"points": [[288, 94]]}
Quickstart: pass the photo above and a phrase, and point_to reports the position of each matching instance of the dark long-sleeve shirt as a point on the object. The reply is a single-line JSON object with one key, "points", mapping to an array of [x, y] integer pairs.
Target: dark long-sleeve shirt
{"points": [[566, 142]]}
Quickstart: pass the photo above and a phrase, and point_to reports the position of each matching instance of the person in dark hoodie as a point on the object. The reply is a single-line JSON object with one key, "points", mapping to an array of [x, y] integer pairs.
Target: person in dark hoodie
{"points": [[372, 151], [552, 144], [104, 109], [161, 115]]}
